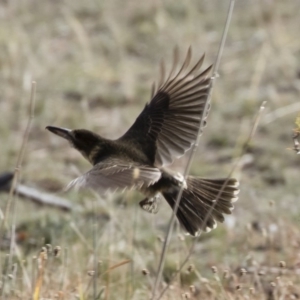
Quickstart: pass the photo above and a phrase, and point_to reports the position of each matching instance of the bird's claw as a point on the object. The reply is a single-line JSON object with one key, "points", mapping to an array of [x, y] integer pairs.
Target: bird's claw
{"points": [[151, 205]]}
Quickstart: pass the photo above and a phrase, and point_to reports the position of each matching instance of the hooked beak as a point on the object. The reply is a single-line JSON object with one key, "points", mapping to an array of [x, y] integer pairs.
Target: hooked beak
{"points": [[62, 132]]}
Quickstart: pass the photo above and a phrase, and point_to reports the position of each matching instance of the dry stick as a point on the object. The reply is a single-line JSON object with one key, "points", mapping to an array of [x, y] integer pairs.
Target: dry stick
{"points": [[20, 155], [138, 256], [95, 277], [132, 265], [42, 263], [35, 195], [11, 197], [244, 148], [281, 112], [194, 148], [296, 142], [81, 236], [42, 198]]}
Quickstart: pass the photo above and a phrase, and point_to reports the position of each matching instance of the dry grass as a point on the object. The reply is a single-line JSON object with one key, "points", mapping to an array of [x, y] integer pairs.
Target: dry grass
{"points": [[94, 63]]}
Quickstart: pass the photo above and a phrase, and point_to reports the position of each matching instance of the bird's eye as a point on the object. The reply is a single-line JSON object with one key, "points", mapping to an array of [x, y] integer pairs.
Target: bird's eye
{"points": [[76, 135]]}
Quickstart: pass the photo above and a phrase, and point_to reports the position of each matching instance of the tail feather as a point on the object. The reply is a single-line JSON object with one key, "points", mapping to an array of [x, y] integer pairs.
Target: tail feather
{"points": [[198, 198]]}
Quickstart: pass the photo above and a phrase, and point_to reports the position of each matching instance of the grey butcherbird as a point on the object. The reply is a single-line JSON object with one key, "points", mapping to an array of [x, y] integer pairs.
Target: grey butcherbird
{"points": [[165, 130]]}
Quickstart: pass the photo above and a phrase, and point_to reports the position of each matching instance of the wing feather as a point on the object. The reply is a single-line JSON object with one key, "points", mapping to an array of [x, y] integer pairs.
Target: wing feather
{"points": [[116, 174], [168, 125]]}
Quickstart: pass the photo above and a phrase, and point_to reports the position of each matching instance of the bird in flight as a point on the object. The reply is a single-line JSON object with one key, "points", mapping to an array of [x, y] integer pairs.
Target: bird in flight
{"points": [[167, 127]]}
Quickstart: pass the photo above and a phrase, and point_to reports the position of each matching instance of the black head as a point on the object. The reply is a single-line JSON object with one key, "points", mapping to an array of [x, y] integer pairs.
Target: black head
{"points": [[86, 142]]}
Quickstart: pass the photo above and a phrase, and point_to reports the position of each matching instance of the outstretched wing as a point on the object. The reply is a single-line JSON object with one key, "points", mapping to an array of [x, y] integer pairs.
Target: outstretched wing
{"points": [[168, 125], [114, 174]]}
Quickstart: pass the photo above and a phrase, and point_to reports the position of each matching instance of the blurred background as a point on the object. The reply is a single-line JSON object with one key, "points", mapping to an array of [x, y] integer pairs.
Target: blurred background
{"points": [[94, 63]]}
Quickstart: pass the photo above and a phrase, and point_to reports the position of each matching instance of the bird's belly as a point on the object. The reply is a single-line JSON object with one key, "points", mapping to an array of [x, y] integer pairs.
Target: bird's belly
{"points": [[167, 183]]}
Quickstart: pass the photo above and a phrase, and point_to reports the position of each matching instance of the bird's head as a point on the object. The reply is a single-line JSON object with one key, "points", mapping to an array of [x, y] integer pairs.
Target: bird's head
{"points": [[88, 143]]}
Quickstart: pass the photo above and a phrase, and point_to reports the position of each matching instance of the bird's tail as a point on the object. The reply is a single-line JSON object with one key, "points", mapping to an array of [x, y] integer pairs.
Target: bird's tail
{"points": [[204, 200]]}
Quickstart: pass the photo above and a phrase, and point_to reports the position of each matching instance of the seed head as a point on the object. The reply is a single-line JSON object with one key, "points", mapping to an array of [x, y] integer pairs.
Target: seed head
{"points": [[145, 272], [225, 274], [57, 251], [49, 248], [282, 264], [191, 268], [243, 271], [186, 295]]}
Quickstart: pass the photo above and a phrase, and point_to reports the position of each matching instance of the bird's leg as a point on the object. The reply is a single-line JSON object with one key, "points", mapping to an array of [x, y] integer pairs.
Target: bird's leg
{"points": [[151, 205]]}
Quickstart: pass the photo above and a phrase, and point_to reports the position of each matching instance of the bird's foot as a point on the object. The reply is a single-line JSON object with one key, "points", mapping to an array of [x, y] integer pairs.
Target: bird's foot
{"points": [[151, 205]]}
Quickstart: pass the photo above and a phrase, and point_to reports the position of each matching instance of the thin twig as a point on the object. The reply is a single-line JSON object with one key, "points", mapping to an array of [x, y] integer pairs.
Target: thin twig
{"points": [[95, 261], [10, 206], [45, 199], [194, 148], [21, 153], [281, 112], [296, 141], [81, 236], [243, 150]]}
